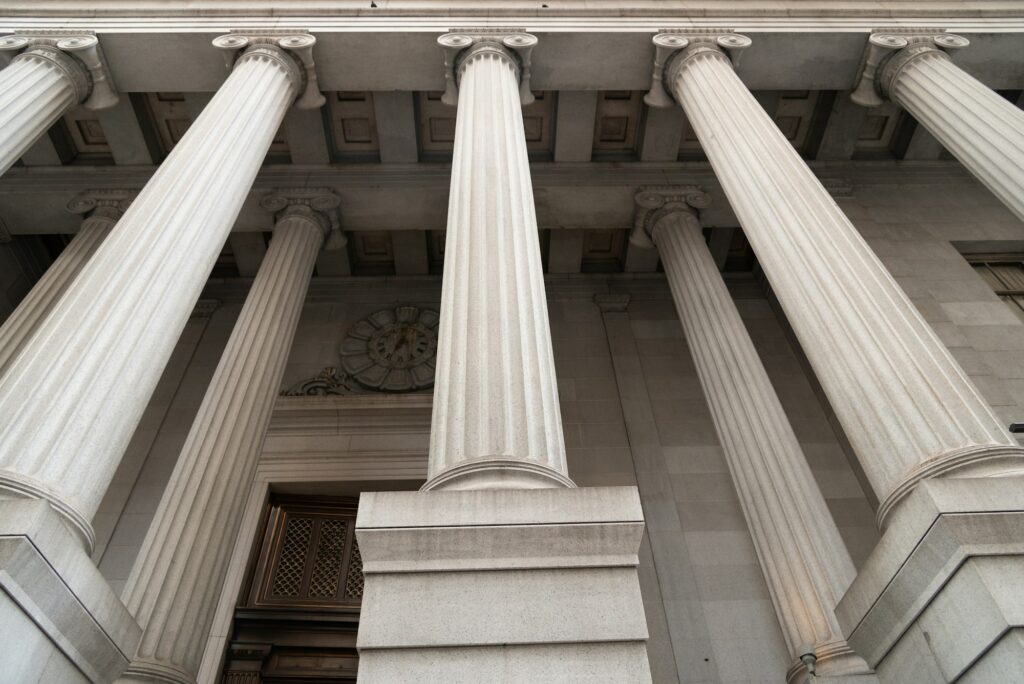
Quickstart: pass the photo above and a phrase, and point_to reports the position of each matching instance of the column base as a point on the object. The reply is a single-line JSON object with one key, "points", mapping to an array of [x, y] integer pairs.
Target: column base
{"points": [[502, 585], [59, 619], [497, 473], [941, 598]]}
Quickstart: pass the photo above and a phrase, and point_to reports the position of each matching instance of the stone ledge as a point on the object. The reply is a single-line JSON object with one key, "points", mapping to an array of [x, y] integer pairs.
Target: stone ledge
{"points": [[51, 581], [944, 529], [460, 583]]}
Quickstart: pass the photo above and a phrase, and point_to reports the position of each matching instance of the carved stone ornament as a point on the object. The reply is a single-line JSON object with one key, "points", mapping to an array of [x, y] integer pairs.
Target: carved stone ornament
{"points": [[112, 203], [393, 350], [889, 51], [323, 202], [77, 54], [693, 41], [652, 203], [330, 381], [514, 44], [300, 45]]}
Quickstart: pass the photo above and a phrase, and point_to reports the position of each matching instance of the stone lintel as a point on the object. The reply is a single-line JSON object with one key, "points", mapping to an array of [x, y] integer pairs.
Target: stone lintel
{"points": [[952, 540], [462, 583], [64, 613]]}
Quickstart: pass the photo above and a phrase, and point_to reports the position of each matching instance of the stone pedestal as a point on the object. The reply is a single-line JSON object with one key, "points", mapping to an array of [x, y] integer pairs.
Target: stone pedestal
{"points": [[59, 619], [534, 585], [941, 599]]}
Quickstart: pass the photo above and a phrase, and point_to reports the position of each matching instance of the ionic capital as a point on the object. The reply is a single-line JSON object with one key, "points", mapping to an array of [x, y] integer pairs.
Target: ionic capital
{"points": [[293, 50], [77, 54], [655, 203], [673, 49], [317, 205], [461, 48], [109, 203], [888, 53]]}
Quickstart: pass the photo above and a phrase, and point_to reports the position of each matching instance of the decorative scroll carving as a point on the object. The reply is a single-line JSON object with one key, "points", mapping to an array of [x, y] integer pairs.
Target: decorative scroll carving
{"points": [[889, 51], [656, 201], [328, 382], [690, 41], [513, 44], [299, 44], [87, 69]]}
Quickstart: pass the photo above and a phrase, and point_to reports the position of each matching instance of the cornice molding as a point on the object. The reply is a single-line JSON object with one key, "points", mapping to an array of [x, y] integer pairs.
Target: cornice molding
{"points": [[477, 9]]}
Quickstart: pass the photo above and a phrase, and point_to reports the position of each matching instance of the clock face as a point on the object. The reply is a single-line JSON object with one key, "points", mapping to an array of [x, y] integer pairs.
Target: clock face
{"points": [[393, 350]]}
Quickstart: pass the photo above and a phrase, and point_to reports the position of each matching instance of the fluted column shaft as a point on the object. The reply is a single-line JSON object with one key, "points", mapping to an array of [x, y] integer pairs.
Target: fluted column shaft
{"points": [[20, 325], [802, 555], [70, 402], [496, 420], [174, 586], [36, 89], [906, 406], [979, 127]]}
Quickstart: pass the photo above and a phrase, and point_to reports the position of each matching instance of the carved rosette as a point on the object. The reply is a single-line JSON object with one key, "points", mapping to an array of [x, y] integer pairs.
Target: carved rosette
{"points": [[393, 350]]}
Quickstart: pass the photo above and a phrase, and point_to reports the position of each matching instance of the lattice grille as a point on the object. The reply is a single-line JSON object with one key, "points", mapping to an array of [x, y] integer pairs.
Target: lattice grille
{"points": [[288, 580], [330, 552], [354, 578]]}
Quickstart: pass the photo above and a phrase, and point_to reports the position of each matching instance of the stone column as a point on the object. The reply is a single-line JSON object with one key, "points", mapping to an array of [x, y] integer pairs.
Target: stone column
{"points": [[946, 472], [69, 403], [49, 75], [906, 406], [102, 210], [496, 420], [802, 555], [978, 126], [464, 576], [177, 579]]}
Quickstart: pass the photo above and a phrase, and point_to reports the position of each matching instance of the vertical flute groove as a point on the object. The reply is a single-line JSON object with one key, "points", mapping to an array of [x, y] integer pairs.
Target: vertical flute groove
{"points": [[98, 355], [495, 401], [34, 93], [802, 555], [983, 130], [20, 325], [903, 401], [173, 586]]}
